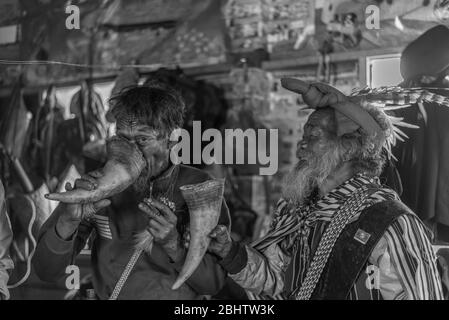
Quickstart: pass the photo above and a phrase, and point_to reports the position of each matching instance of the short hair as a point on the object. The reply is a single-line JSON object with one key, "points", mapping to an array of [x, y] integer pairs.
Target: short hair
{"points": [[158, 106]]}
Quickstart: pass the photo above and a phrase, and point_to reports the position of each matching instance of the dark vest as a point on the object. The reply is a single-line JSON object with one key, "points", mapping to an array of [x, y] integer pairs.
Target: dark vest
{"points": [[349, 256]]}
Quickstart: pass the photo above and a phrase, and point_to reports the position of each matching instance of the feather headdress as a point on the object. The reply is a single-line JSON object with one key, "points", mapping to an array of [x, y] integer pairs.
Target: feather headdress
{"points": [[366, 108], [380, 101]]}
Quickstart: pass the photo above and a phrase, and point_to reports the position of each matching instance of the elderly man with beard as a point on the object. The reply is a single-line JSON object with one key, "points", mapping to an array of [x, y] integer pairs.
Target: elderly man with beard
{"points": [[337, 233], [152, 208]]}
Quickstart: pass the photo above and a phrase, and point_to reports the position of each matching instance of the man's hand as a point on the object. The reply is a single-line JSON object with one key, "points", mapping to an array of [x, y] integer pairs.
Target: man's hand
{"points": [[73, 214], [162, 226], [221, 242], [89, 181]]}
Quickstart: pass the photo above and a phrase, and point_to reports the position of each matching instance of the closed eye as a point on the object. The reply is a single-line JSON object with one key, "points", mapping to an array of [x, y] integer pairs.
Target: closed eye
{"points": [[142, 140]]}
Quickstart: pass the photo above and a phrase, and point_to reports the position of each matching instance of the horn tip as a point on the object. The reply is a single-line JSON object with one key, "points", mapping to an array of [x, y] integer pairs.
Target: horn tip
{"points": [[177, 284], [53, 196]]}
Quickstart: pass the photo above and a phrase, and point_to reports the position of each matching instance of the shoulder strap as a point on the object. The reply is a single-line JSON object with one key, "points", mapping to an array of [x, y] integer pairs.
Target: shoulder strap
{"points": [[125, 274], [338, 222], [354, 247]]}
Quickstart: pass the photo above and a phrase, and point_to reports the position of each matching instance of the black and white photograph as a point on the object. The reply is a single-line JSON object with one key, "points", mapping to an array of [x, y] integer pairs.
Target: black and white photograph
{"points": [[231, 156]]}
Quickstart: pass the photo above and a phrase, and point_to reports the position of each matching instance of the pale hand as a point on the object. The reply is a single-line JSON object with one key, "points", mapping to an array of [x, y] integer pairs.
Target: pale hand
{"points": [[221, 241]]}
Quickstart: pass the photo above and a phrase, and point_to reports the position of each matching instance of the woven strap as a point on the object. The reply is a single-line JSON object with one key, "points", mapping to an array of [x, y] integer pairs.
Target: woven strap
{"points": [[125, 274], [333, 231]]}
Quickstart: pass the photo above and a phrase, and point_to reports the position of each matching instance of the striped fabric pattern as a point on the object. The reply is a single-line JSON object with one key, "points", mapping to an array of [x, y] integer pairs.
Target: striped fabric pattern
{"points": [[323, 211], [102, 226], [408, 240], [414, 260]]}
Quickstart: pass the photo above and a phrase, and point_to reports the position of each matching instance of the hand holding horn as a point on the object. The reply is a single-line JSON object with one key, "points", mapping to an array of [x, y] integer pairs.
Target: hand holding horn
{"points": [[124, 165], [73, 213], [162, 227], [220, 243], [204, 202]]}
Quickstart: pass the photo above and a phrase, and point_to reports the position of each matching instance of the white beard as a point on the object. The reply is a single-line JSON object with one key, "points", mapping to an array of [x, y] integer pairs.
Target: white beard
{"points": [[309, 173]]}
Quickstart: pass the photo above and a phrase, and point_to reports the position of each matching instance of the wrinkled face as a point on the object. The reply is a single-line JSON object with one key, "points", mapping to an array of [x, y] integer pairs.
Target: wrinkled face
{"points": [[319, 130], [318, 155], [153, 144]]}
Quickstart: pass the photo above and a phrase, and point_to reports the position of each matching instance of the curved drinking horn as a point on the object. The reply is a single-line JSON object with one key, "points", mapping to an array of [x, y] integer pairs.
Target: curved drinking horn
{"points": [[204, 202], [124, 165]]}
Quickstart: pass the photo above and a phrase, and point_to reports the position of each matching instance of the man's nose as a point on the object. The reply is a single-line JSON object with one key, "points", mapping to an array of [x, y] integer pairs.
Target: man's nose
{"points": [[301, 144]]}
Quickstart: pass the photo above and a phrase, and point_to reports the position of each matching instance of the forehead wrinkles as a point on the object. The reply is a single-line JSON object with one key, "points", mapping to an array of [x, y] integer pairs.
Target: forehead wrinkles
{"points": [[128, 120], [323, 119]]}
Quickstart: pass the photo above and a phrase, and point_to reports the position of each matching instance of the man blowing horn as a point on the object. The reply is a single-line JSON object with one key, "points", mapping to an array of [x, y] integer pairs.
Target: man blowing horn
{"points": [[337, 233], [149, 216]]}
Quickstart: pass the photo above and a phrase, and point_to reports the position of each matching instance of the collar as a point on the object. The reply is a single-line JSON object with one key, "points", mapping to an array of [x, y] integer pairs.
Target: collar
{"points": [[328, 205], [341, 192]]}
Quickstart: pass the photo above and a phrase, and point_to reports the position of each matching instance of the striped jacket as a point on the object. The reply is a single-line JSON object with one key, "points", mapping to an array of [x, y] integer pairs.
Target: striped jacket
{"points": [[402, 265]]}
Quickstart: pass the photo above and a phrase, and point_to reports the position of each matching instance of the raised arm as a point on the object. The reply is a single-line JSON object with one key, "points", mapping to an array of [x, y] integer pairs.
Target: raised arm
{"points": [[62, 237]]}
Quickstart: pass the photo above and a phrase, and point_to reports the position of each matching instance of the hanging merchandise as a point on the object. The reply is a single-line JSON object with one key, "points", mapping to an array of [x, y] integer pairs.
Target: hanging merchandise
{"points": [[39, 147], [245, 26], [274, 25], [92, 117], [198, 40], [343, 20], [288, 23], [250, 91], [14, 124], [29, 209], [201, 38]]}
